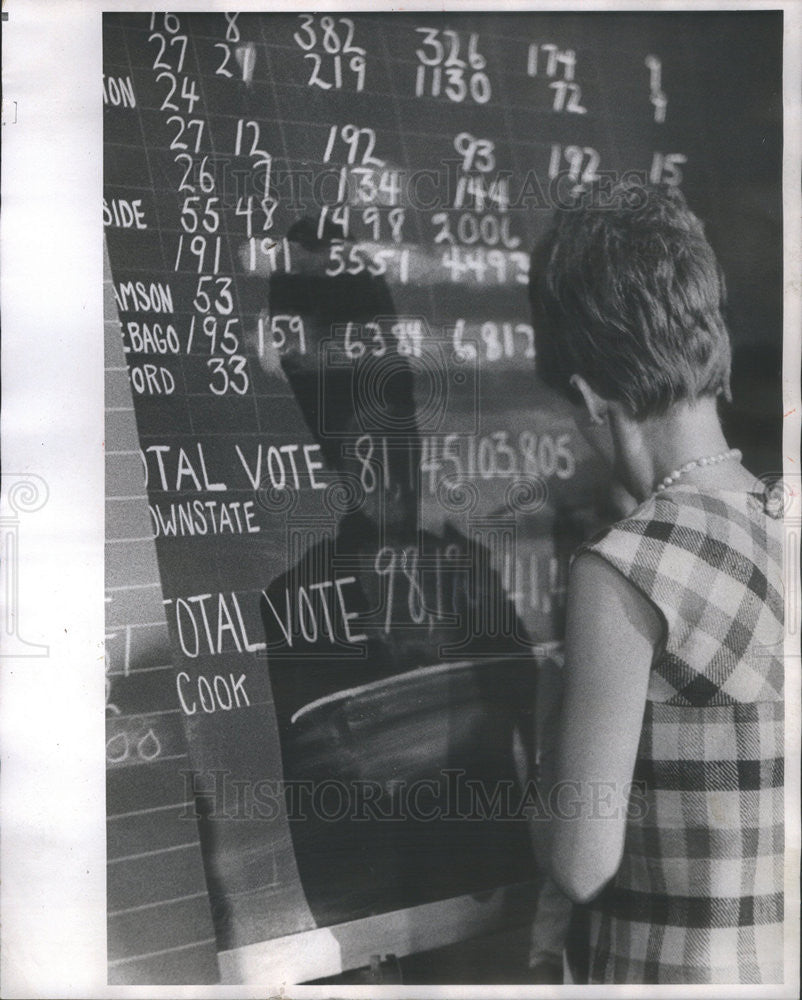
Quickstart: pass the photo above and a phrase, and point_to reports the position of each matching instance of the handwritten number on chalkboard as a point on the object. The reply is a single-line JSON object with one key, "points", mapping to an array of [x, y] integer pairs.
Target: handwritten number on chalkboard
{"points": [[180, 40], [351, 135], [315, 78], [373, 217], [429, 463], [217, 366], [189, 216], [529, 334], [309, 39], [331, 41], [205, 177], [360, 258], [190, 219], [232, 375], [157, 62], [666, 168], [463, 351], [262, 156], [501, 265], [223, 303], [245, 209], [148, 746], [384, 565], [221, 69], [170, 22], [176, 143], [480, 88], [340, 216], [431, 39], [416, 604], [167, 104], [353, 348], [232, 30], [477, 154], [495, 456], [198, 246], [656, 94], [554, 59], [501, 341], [358, 65], [378, 338], [390, 189], [189, 94], [279, 337], [489, 334], [348, 45], [475, 59], [334, 46], [443, 58], [575, 155], [521, 261], [470, 229], [572, 92], [120, 746], [229, 342], [472, 189], [456, 88], [184, 186], [196, 123]]}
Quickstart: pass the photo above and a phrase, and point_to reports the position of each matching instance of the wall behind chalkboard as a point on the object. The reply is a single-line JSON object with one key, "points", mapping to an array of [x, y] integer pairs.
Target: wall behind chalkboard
{"points": [[426, 152]]}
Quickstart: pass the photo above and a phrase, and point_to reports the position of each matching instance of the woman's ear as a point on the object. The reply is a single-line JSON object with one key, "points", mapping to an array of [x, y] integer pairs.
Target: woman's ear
{"points": [[595, 405]]}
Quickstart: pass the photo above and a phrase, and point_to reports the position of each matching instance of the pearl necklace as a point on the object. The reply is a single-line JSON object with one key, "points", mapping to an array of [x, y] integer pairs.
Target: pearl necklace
{"points": [[723, 456]]}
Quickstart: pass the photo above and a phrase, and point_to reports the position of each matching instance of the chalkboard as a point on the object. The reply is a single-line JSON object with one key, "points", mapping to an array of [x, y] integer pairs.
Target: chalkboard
{"points": [[363, 501], [159, 918]]}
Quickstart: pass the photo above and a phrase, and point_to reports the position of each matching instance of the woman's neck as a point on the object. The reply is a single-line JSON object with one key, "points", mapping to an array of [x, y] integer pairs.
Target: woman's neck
{"points": [[653, 449]]}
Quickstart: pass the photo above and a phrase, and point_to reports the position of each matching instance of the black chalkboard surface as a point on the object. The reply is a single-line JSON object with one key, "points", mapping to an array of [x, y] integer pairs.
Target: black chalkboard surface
{"points": [[159, 926], [363, 500]]}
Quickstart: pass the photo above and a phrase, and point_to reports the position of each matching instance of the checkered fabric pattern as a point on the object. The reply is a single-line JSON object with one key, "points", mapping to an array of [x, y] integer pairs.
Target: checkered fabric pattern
{"points": [[698, 896]]}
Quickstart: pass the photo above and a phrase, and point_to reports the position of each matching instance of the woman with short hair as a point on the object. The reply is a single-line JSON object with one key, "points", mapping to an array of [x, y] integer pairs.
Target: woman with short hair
{"points": [[669, 823]]}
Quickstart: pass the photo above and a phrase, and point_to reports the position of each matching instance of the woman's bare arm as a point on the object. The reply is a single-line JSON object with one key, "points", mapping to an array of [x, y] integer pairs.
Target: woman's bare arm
{"points": [[612, 632]]}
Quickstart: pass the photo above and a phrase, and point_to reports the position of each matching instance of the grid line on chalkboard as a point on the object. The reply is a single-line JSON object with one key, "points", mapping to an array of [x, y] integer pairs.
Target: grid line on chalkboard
{"points": [[145, 762], [145, 714], [402, 138], [160, 850], [287, 159], [141, 670], [163, 951], [159, 902], [152, 809], [128, 539]]}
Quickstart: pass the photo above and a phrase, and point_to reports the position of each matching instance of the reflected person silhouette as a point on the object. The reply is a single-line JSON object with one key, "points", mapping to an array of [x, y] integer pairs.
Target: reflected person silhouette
{"points": [[396, 728]]}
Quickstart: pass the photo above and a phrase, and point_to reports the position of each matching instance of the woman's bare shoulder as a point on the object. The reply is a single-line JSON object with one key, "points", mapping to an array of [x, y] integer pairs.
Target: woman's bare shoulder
{"points": [[602, 599]]}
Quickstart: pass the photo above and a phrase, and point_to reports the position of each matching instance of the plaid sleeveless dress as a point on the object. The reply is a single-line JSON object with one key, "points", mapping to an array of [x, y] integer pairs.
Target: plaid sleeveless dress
{"points": [[698, 897]]}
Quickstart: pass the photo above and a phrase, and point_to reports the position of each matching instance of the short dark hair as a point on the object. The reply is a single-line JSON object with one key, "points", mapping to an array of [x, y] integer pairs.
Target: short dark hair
{"points": [[627, 292]]}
